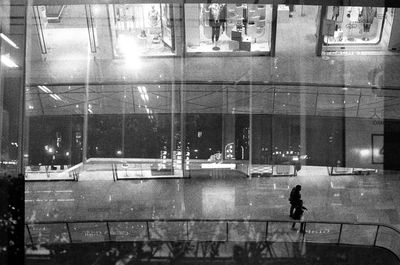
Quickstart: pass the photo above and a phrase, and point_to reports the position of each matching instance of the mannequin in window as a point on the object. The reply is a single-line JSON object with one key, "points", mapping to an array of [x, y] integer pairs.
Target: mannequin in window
{"points": [[368, 15], [215, 23], [154, 17], [335, 13], [222, 17], [291, 10]]}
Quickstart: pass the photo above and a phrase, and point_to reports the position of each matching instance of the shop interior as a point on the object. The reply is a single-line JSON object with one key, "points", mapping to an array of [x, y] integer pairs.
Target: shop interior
{"points": [[353, 25], [132, 29], [228, 27], [142, 29]]}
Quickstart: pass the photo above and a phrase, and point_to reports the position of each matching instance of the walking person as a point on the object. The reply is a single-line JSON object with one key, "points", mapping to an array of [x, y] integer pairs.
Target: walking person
{"points": [[298, 215], [294, 199]]}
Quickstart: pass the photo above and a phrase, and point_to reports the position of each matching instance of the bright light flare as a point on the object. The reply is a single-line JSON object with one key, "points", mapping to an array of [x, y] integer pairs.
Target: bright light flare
{"points": [[130, 51], [365, 152], [5, 59]]}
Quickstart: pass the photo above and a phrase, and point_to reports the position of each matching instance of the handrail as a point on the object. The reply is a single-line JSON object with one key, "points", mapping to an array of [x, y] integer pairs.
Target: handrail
{"points": [[216, 82], [214, 220], [151, 232]]}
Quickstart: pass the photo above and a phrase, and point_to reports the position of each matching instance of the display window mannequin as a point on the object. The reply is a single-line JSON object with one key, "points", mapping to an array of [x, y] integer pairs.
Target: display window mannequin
{"points": [[154, 17], [353, 13], [215, 21], [335, 13], [368, 15]]}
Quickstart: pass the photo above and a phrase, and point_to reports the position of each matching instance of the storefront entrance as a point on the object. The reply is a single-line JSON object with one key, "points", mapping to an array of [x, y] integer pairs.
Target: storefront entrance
{"points": [[296, 29], [142, 29]]}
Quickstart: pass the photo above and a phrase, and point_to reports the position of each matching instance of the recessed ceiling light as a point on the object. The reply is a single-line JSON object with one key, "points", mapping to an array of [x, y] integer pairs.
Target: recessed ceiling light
{"points": [[7, 39]]}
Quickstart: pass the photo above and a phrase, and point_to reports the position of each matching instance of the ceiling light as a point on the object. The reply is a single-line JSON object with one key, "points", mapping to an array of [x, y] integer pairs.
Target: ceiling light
{"points": [[55, 97], [45, 89], [8, 62], [7, 39]]}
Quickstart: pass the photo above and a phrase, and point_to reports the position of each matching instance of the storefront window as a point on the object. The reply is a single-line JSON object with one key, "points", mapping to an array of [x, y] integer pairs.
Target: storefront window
{"points": [[142, 29], [353, 25], [228, 27]]}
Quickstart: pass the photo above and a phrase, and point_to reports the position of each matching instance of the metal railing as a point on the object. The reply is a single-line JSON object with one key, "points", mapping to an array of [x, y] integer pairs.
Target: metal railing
{"points": [[234, 230]]}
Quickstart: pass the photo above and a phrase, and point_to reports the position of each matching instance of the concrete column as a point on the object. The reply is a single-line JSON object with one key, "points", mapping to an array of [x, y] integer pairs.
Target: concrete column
{"points": [[103, 31], [394, 40], [179, 30], [192, 24]]}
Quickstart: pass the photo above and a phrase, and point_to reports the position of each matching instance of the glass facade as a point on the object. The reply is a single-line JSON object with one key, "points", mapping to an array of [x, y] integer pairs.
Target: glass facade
{"points": [[145, 29], [112, 90], [99, 86]]}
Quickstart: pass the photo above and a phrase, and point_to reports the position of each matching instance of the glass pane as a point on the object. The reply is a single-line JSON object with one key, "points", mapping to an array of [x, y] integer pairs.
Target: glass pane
{"points": [[358, 234], [12, 48], [322, 233], [128, 231], [168, 231], [207, 231], [49, 233], [89, 232], [389, 238], [283, 232], [247, 231], [27, 238]]}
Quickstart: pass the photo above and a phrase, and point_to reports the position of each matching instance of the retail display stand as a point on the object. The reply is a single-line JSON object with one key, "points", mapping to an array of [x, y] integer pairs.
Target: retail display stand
{"points": [[216, 48], [243, 42]]}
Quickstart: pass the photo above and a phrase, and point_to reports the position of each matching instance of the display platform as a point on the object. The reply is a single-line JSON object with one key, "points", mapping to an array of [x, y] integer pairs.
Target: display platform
{"points": [[128, 168], [339, 171], [55, 172]]}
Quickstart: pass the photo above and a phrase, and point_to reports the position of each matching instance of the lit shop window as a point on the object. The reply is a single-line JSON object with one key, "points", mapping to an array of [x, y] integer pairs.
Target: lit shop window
{"points": [[353, 25], [228, 27], [142, 29]]}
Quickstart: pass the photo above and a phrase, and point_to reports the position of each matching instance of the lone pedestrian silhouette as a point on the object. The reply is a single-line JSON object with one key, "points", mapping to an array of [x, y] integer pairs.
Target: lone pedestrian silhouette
{"points": [[298, 215], [294, 199]]}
